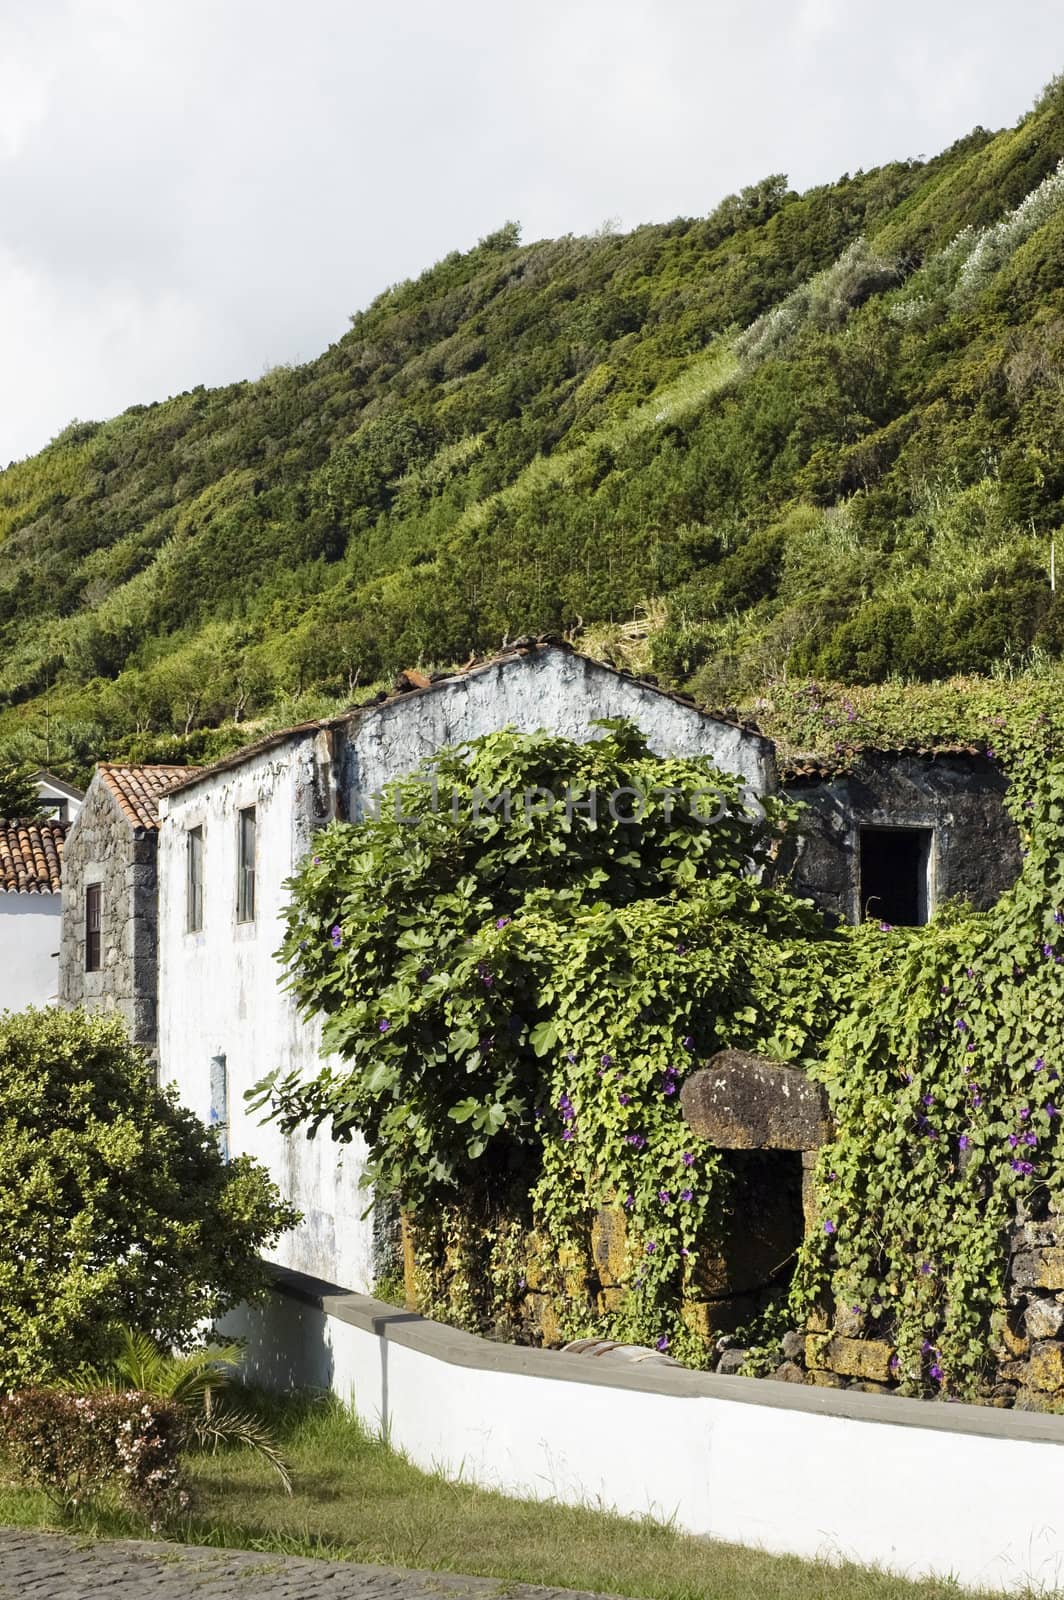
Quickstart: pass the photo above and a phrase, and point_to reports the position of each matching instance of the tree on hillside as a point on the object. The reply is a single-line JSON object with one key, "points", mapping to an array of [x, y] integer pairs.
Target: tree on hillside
{"points": [[18, 789]]}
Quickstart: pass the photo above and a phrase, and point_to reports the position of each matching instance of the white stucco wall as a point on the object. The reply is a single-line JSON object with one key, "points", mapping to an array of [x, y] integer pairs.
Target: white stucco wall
{"points": [[30, 926], [916, 1487], [219, 994], [548, 688]]}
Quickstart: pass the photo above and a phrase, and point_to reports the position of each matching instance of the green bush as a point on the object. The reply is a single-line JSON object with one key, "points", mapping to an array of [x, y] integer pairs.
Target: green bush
{"points": [[117, 1203]]}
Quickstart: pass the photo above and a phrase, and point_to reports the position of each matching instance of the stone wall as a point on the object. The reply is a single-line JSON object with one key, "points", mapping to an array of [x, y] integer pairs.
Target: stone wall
{"points": [[103, 847], [960, 797]]}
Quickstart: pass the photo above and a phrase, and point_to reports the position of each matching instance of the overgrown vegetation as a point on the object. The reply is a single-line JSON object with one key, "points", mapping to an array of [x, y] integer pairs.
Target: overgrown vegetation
{"points": [[806, 434], [517, 992], [518, 959]]}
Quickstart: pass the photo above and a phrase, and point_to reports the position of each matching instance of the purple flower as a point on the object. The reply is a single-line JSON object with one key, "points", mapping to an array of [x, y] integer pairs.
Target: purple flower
{"points": [[636, 1140], [928, 1100], [1014, 1139], [925, 1269], [1058, 917], [829, 1226], [681, 949], [928, 1349], [664, 1196], [1030, 1137], [629, 1201], [688, 1043], [568, 1133], [936, 1371], [571, 1056], [1024, 1168], [607, 1061], [625, 1099], [1025, 1112], [1039, 1064], [661, 1343], [963, 1142], [895, 1364], [685, 1252], [1047, 950], [317, 861], [651, 1247], [383, 1025], [687, 1194], [669, 1086], [502, 922], [960, 1025], [886, 927], [336, 935], [688, 1159], [1051, 1110]]}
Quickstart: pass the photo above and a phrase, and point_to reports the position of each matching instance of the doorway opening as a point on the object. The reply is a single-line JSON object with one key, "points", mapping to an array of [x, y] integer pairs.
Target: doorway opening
{"points": [[895, 882]]}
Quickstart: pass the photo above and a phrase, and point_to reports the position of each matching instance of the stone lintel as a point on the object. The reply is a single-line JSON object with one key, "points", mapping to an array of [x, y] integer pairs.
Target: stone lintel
{"points": [[740, 1101]]}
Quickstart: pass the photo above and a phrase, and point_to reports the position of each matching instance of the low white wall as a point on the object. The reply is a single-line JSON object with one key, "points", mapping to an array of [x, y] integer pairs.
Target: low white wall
{"points": [[30, 926], [918, 1488]]}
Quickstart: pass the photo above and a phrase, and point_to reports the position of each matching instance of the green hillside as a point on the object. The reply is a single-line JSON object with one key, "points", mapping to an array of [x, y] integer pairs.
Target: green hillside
{"points": [[815, 435]]}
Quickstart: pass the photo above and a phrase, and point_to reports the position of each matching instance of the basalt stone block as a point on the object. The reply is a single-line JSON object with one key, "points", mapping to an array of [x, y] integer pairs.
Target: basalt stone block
{"points": [[1039, 1269], [851, 1358], [740, 1101], [1045, 1370], [1044, 1319]]}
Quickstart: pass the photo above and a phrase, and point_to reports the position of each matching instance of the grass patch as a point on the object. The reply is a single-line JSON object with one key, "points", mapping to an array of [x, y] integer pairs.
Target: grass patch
{"points": [[356, 1499]]}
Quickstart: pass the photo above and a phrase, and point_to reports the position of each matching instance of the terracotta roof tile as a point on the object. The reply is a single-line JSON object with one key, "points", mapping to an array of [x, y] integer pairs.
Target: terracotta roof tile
{"points": [[137, 789], [31, 856]]}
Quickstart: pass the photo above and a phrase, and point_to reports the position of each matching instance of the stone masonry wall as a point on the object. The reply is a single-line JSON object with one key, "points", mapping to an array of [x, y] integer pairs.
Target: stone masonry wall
{"points": [[103, 847], [976, 853]]}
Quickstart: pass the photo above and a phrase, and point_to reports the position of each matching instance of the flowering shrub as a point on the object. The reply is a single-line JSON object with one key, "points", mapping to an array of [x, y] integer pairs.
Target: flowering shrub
{"points": [[73, 1446]]}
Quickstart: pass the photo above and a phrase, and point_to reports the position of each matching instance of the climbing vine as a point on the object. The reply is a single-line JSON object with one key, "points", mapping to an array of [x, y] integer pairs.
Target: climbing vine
{"points": [[514, 1002]]}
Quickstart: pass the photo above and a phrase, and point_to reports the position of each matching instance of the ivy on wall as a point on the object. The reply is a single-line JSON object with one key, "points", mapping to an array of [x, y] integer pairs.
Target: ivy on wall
{"points": [[515, 1005]]}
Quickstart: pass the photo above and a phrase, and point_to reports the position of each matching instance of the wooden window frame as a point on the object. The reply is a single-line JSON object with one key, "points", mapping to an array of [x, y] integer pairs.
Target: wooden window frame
{"points": [[94, 927], [194, 879], [245, 863]]}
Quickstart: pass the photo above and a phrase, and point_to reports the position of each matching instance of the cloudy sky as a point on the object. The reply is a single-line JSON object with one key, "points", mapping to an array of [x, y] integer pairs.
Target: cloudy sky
{"points": [[193, 191]]}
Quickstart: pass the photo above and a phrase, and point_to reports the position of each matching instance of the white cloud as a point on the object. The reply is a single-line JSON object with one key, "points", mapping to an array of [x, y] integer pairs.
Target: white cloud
{"points": [[193, 190]]}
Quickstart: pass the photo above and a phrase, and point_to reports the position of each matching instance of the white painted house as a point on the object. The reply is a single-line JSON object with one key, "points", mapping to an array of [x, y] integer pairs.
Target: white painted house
{"points": [[31, 857], [231, 835]]}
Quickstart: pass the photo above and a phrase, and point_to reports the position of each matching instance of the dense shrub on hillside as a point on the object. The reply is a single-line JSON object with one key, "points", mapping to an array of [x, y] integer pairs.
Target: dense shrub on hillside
{"points": [[117, 1204]]}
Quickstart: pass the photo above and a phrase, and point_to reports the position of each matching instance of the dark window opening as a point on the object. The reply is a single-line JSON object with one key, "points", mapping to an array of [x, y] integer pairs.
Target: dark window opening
{"points": [[93, 928], [245, 882], [895, 875], [194, 905]]}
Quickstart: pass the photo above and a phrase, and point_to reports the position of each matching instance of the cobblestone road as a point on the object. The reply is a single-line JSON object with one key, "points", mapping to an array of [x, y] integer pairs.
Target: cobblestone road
{"points": [[57, 1566]]}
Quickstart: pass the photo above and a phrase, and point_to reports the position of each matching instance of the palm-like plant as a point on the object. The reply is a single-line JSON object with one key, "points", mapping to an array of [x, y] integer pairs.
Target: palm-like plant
{"points": [[192, 1380]]}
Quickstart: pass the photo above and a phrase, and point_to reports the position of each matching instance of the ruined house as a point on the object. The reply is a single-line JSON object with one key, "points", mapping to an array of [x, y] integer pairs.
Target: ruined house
{"points": [[108, 957], [888, 835], [892, 834], [231, 835]]}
